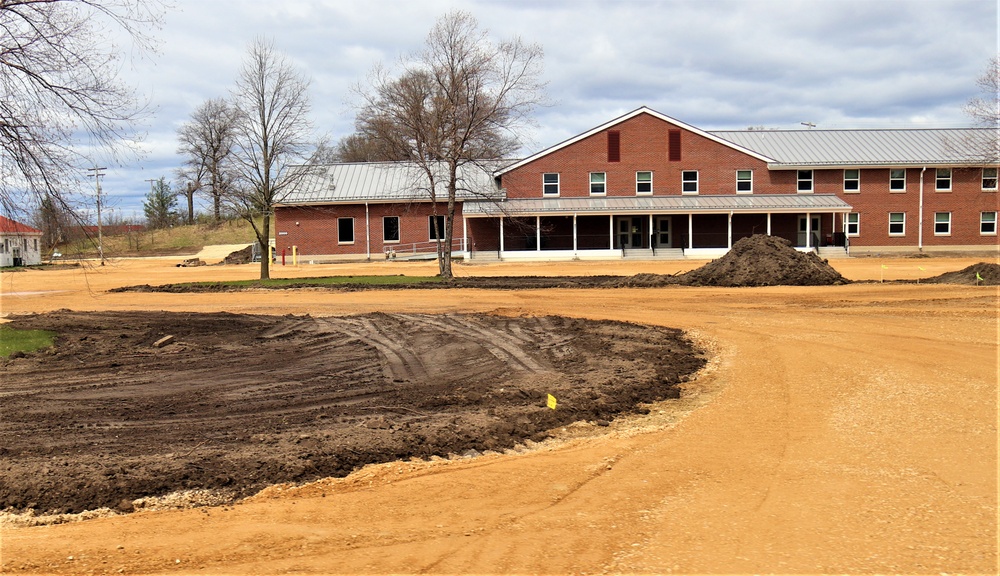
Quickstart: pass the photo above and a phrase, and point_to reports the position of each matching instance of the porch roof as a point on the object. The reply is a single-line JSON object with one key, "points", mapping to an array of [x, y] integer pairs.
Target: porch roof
{"points": [[718, 204]]}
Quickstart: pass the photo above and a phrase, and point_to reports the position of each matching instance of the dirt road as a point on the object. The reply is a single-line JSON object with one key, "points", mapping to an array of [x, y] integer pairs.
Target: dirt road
{"points": [[845, 429]]}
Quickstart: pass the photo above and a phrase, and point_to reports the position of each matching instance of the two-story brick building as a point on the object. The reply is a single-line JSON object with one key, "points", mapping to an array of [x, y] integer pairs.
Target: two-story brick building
{"points": [[646, 184]]}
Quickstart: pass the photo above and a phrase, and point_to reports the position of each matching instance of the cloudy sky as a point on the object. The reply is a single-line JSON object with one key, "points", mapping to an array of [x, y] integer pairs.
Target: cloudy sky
{"points": [[716, 64]]}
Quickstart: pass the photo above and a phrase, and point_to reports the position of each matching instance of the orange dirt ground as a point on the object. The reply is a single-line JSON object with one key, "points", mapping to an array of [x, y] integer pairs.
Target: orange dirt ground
{"points": [[840, 429]]}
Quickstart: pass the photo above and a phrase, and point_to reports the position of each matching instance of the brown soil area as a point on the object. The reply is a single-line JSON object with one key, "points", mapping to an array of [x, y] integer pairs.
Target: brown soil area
{"points": [[239, 402], [981, 274]]}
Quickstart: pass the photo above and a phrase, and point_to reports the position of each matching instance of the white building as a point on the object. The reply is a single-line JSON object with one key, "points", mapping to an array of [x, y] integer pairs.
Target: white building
{"points": [[20, 245]]}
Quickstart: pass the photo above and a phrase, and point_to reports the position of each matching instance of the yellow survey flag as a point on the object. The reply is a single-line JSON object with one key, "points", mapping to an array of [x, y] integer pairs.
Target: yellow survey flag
{"points": [[978, 277], [884, 267], [922, 268], [551, 402]]}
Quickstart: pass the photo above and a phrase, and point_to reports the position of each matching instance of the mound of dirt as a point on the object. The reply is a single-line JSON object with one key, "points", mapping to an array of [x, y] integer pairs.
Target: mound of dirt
{"points": [[244, 256], [116, 411], [762, 260], [988, 275]]}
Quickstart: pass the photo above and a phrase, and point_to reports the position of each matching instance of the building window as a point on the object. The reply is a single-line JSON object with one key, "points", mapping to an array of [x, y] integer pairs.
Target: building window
{"points": [[988, 223], [805, 181], [345, 230], [643, 182], [897, 223], [942, 182], [614, 146], [597, 183], [689, 182], [36, 244], [990, 179], [852, 227], [744, 181], [897, 180], [435, 227], [390, 228], [852, 180], [674, 145], [942, 223], [550, 184]]}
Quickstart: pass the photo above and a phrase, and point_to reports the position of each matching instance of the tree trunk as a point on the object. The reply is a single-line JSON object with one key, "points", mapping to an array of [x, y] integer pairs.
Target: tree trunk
{"points": [[265, 248]]}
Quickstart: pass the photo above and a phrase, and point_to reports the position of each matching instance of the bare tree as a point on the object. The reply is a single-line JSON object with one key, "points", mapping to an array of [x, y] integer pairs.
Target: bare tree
{"points": [[272, 132], [462, 99], [206, 143], [984, 110], [59, 80]]}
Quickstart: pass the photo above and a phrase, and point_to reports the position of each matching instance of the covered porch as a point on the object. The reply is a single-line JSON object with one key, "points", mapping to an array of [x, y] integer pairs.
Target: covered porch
{"points": [[647, 227]]}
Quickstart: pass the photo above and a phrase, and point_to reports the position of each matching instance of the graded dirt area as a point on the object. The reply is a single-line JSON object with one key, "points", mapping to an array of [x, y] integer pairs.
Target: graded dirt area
{"points": [[836, 429], [233, 403]]}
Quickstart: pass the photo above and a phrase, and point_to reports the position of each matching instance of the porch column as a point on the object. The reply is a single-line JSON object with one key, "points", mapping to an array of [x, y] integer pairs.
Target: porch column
{"points": [[611, 231], [768, 223], [808, 229], [574, 233], [465, 234], [651, 233], [501, 234], [729, 231], [538, 233], [691, 230]]}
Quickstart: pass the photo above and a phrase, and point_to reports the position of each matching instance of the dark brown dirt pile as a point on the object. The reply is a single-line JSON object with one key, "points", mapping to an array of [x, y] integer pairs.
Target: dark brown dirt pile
{"points": [[239, 402], [990, 274], [243, 256], [762, 260]]}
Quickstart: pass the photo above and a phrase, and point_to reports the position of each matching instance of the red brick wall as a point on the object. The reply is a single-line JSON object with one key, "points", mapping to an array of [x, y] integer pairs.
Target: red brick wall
{"points": [[314, 229]]}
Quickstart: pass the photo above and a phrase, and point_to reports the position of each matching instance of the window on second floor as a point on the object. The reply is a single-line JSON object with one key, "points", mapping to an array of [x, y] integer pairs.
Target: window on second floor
{"points": [[852, 180], [990, 179], [689, 182], [550, 184], [644, 182], [897, 180], [744, 181], [804, 181], [942, 179], [598, 183]]}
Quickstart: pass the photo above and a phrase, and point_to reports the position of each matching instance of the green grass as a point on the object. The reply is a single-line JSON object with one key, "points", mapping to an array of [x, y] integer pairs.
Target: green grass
{"points": [[323, 281], [13, 340], [179, 239]]}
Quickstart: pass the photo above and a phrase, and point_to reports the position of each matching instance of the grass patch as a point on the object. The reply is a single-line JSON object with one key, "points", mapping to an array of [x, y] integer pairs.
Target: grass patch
{"points": [[14, 340], [178, 239], [397, 280]]}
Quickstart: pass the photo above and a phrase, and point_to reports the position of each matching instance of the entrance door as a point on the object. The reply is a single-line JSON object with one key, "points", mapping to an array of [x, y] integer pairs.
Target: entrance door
{"points": [[663, 231], [631, 231], [814, 230]]}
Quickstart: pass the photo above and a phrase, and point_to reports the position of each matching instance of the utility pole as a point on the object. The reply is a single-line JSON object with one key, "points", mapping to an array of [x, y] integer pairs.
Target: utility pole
{"points": [[98, 172]]}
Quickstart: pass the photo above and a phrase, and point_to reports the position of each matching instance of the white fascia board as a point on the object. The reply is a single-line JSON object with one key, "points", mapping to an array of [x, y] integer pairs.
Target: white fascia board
{"points": [[619, 120]]}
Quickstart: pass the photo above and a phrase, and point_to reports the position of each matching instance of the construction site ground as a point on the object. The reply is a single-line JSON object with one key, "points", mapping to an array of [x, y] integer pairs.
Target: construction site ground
{"points": [[834, 429]]}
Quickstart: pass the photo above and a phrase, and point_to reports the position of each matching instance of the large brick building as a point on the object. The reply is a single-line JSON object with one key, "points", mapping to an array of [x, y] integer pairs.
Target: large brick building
{"points": [[647, 185]]}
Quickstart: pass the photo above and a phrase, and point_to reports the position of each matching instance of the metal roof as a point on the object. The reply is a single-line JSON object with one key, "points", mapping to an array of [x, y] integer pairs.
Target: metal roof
{"points": [[909, 147], [718, 204], [387, 182]]}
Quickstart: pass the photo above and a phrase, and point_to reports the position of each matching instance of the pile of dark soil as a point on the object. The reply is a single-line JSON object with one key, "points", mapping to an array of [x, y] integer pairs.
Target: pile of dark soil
{"points": [[762, 260], [239, 402], [244, 256], [990, 274]]}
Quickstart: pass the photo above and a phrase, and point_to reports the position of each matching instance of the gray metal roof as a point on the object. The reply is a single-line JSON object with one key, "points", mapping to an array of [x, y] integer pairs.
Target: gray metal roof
{"points": [[718, 204], [386, 182], [909, 147]]}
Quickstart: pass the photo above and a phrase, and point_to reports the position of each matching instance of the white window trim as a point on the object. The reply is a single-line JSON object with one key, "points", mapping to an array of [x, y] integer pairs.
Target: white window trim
{"points": [[896, 234], [936, 178], [353, 231], [399, 230], [936, 233], [858, 179], [544, 184], [650, 193], [738, 191], [995, 178], [856, 224], [811, 180], [695, 181], [605, 184], [983, 221], [900, 190]]}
